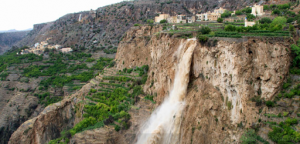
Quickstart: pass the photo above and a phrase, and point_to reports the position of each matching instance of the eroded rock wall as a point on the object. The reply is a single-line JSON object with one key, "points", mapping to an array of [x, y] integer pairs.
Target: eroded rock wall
{"points": [[226, 73]]}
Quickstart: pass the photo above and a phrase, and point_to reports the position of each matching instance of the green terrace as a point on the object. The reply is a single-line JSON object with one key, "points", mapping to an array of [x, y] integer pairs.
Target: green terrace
{"points": [[109, 101], [264, 27]]}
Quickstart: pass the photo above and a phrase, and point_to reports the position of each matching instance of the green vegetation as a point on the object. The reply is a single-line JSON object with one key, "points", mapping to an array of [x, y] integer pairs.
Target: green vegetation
{"points": [[284, 132], [163, 21], [250, 137], [110, 103], [219, 20]]}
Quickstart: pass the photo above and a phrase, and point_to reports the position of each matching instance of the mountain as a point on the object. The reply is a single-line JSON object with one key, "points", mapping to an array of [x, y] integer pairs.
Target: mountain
{"points": [[229, 89]]}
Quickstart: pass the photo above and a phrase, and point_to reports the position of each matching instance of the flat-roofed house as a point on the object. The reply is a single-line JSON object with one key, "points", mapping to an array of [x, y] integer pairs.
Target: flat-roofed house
{"points": [[190, 19], [201, 17], [181, 18], [161, 17], [66, 50], [258, 10], [213, 16]]}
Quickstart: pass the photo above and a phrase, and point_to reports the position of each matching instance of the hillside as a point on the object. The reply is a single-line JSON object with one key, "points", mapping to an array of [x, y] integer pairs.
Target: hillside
{"points": [[105, 26], [241, 85], [9, 39]]}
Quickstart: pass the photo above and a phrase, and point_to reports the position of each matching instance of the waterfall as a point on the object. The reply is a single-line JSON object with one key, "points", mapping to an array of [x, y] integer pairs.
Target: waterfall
{"points": [[163, 126], [79, 19]]}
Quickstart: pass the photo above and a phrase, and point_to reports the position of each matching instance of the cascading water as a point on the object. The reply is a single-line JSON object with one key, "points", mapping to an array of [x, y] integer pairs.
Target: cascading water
{"points": [[163, 127]]}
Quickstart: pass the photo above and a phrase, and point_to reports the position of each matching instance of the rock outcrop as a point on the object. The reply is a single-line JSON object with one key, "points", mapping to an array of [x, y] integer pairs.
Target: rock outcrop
{"points": [[226, 74]]}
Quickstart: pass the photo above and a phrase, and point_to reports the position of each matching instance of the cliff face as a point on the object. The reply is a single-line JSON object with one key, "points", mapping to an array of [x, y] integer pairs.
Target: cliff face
{"points": [[225, 75]]}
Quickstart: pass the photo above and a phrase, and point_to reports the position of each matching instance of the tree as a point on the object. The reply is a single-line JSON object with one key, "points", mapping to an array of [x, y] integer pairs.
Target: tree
{"points": [[238, 12], [205, 30], [279, 20], [250, 17], [163, 21], [220, 20], [226, 14], [276, 12], [265, 20], [247, 10]]}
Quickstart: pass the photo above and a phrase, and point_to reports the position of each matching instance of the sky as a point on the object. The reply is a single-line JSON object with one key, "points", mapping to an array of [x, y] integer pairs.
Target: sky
{"points": [[23, 14]]}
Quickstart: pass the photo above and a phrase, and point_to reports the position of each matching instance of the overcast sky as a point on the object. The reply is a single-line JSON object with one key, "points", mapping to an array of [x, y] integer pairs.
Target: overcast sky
{"points": [[22, 14]]}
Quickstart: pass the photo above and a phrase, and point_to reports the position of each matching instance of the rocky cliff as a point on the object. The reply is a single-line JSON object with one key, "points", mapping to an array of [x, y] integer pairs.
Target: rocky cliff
{"points": [[225, 74]]}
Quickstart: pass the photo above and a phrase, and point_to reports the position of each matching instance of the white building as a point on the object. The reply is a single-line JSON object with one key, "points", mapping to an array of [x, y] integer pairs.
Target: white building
{"points": [[258, 10]]}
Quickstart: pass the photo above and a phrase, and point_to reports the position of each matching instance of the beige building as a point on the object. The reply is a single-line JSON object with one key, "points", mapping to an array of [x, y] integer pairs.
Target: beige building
{"points": [[181, 18], [258, 10], [66, 50], [209, 16], [201, 17], [191, 19], [249, 23], [219, 11], [213, 16], [161, 17]]}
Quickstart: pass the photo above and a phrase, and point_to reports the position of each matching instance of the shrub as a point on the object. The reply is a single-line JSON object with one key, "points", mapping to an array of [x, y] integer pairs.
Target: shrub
{"points": [[249, 137], [250, 17], [219, 20], [291, 28], [202, 38], [230, 28], [117, 128], [276, 12], [265, 20], [163, 21], [150, 21], [226, 14], [289, 20], [269, 104], [238, 12], [204, 30], [136, 25]]}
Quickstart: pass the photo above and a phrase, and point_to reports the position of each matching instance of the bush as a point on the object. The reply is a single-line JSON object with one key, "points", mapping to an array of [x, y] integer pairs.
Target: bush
{"points": [[150, 21], [289, 20], [204, 30], [219, 20], [265, 20], [202, 38], [230, 28], [117, 128], [136, 25], [269, 104], [250, 17], [226, 14], [163, 21], [238, 12], [276, 12]]}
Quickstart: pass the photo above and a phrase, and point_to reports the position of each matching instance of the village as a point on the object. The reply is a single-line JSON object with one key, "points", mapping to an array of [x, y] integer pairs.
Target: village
{"points": [[40, 48], [257, 10]]}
